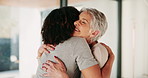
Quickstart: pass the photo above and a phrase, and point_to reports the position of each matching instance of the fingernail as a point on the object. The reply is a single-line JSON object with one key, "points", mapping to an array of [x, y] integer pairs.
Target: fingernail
{"points": [[55, 56], [53, 48], [48, 51], [43, 64]]}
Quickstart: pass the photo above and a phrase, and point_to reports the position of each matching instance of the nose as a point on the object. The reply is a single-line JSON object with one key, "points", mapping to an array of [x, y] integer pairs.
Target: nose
{"points": [[76, 23]]}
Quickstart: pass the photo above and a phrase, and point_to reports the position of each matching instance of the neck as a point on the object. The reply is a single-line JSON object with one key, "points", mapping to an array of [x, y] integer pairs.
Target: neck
{"points": [[91, 43]]}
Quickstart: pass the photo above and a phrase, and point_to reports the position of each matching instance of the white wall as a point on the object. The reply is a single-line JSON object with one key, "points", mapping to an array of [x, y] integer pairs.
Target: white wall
{"points": [[134, 42], [29, 32]]}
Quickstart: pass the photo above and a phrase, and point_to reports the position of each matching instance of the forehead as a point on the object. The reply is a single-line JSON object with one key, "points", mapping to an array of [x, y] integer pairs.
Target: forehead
{"points": [[85, 15]]}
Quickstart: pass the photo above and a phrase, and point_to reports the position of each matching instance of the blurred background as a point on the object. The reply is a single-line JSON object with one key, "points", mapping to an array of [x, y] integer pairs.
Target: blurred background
{"points": [[21, 21]]}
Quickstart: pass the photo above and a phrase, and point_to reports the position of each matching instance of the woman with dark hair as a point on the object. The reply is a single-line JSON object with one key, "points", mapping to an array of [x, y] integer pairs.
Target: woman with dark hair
{"points": [[59, 25], [57, 30]]}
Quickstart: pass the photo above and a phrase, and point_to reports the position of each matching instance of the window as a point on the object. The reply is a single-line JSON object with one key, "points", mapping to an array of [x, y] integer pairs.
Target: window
{"points": [[9, 39]]}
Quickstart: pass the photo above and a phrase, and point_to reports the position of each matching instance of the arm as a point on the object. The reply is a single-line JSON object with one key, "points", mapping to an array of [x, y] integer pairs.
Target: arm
{"points": [[86, 61], [90, 72], [55, 70], [106, 70]]}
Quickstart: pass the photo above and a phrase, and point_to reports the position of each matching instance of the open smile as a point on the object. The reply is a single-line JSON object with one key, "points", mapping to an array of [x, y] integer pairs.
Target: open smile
{"points": [[77, 30]]}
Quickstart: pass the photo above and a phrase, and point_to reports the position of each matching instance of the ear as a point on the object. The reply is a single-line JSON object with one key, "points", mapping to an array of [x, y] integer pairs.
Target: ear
{"points": [[94, 33]]}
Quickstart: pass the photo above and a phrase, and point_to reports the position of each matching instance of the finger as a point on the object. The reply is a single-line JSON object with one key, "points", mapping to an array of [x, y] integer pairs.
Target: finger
{"points": [[45, 64], [39, 56], [50, 47], [45, 50], [103, 44], [44, 68], [51, 64], [58, 60], [45, 75], [44, 45], [48, 68], [41, 52]]}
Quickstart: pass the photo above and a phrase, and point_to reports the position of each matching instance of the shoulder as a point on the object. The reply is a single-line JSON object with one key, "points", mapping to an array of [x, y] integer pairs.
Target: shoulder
{"points": [[98, 46], [79, 45], [80, 42], [77, 41], [100, 53], [73, 43]]}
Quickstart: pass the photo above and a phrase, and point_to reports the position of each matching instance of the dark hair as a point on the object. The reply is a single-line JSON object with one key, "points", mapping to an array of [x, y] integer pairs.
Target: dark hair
{"points": [[59, 25]]}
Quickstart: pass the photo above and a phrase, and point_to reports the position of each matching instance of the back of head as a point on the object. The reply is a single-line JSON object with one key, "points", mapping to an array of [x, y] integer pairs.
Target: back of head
{"points": [[59, 25], [98, 22]]}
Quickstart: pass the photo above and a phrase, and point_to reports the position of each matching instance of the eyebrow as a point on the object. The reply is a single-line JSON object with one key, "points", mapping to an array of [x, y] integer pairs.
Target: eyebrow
{"points": [[85, 19]]}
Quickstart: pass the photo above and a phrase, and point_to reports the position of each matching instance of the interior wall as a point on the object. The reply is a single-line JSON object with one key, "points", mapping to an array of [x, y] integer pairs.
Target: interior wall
{"points": [[30, 40], [135, 35]]}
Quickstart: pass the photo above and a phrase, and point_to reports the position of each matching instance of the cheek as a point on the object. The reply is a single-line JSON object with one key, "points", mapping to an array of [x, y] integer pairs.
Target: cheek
{"points": [[87, 30], [84, 29]]}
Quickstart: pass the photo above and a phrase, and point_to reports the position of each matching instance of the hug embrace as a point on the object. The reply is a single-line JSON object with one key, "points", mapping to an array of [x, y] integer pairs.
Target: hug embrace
{"points": [[70, 46]]}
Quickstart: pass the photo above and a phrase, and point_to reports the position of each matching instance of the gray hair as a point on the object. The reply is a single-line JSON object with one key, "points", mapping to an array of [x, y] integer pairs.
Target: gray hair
{"points": [[98, 21]]}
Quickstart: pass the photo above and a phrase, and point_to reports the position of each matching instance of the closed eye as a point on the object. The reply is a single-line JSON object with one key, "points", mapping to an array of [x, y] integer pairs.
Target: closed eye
{"points": [[83, 22]]}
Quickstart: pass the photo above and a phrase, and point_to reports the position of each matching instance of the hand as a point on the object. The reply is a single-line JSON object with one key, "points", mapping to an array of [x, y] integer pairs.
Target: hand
{"points": [[111, 55], [44, 48], [55, 70]]}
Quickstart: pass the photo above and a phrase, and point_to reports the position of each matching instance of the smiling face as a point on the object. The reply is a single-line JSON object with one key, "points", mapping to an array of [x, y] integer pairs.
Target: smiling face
{"points": [[83, 25]]}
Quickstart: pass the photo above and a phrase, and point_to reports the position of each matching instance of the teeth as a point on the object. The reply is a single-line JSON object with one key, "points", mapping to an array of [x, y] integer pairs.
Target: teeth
{"points": [[77, 30]]}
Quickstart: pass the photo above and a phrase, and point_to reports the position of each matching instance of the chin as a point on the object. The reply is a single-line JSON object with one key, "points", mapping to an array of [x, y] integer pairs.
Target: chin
{"points": [[76, 35]]}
